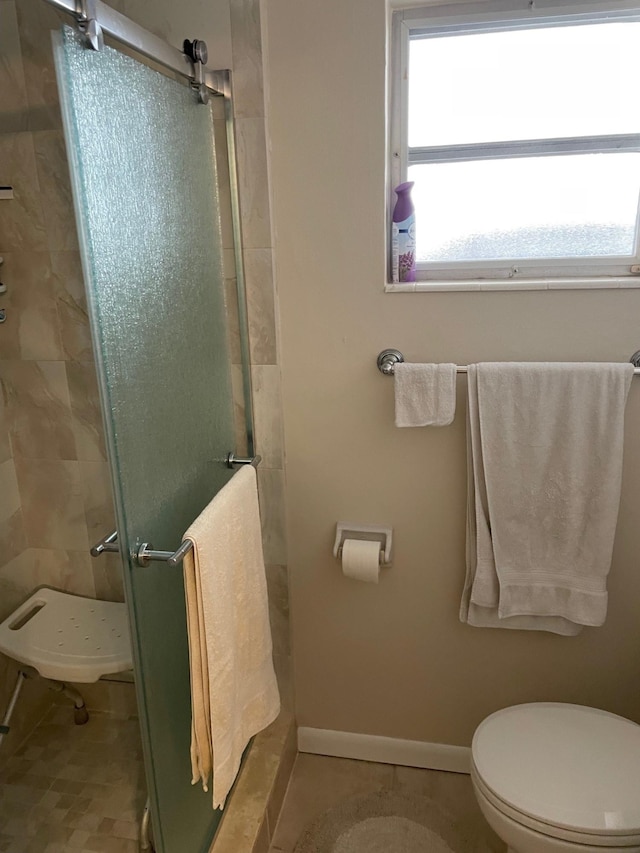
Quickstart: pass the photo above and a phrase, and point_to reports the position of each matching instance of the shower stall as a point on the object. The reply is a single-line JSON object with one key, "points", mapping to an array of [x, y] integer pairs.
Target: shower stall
{"points": [[162, 399]]}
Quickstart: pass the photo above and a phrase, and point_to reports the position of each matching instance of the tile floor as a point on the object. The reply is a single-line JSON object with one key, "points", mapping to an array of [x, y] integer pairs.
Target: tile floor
{"points": [[73, 788], [318, 783]]}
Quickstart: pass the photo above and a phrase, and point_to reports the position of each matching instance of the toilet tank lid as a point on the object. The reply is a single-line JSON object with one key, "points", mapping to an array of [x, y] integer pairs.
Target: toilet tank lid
{"points": [[566, 765]]}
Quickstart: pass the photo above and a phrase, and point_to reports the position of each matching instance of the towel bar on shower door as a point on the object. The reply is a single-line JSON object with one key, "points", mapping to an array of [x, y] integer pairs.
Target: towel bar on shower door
{"points": [[146, 553]]}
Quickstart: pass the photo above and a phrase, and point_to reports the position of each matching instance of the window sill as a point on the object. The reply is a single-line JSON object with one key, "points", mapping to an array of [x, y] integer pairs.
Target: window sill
{"points": [[528, 284]]}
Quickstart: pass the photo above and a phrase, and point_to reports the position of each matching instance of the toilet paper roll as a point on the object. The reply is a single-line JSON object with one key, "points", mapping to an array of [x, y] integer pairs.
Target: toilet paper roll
{"points": [[361, 560]]}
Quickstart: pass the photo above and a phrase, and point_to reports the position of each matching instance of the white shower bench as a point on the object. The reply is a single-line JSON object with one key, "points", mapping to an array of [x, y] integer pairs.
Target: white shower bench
{"points": [[65, 637]]}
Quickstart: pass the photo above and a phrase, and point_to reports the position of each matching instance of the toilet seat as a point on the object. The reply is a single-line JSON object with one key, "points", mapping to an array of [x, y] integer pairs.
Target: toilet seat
{"points": [[550, 830], [565, 771]]}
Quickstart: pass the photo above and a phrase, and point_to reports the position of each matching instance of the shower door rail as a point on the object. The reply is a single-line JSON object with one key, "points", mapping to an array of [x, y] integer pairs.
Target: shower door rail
{"points": [[127, 32]]}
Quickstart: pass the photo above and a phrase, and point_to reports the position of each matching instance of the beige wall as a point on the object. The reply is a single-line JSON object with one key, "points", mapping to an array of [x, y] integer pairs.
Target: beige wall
{"points": [[393, 659]]}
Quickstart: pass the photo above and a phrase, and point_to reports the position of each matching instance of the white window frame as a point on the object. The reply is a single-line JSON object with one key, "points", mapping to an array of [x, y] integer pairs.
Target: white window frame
{"points": [[493, 16]]}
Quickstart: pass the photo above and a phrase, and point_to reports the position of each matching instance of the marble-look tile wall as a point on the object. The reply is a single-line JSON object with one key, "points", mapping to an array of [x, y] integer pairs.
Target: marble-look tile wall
{"points": [[53, 477], [50, 409], [249, 107], [54, 483]]}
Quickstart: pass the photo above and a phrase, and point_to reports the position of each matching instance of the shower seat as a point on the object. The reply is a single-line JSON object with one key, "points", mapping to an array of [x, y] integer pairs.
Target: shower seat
{"points": [[64, 637]]}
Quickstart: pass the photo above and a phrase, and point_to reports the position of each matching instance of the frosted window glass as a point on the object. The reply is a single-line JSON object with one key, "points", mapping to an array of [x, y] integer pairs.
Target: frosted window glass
{"points": [[143, 168], [525, 84], [546, 207]]}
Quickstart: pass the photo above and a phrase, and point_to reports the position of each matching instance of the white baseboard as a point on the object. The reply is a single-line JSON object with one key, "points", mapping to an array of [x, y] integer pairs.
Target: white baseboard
{"points": [[387, 750]]}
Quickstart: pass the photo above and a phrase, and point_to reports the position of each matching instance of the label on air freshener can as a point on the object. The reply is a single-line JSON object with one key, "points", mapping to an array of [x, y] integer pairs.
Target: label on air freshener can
{"points": [[403, 250]]}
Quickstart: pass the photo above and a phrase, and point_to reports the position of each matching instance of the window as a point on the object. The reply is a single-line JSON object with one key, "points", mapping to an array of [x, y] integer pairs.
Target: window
{"points": [[521, 132]]}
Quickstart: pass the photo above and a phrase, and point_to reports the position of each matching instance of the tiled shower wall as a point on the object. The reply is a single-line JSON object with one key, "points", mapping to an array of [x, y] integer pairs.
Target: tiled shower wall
{"points": [[53, 477], [49, 392], [54, 493], [249, 104]]}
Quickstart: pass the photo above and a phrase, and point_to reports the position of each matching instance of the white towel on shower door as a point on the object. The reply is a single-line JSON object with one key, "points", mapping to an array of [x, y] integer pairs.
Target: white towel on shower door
{"points": [[545, 466], [234, 693]]}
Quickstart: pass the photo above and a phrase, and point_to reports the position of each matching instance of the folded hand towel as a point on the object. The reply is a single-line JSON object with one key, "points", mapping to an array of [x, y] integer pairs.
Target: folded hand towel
{"points": [[425, 394], [545, 465], [234, 693]]}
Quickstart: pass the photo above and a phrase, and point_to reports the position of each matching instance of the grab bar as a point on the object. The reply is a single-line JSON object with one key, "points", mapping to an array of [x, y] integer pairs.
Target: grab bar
{"points": [[146, 552], [388, 359]]}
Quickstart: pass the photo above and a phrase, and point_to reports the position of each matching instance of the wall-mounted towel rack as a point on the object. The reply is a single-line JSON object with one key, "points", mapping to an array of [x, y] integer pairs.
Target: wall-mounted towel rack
{"points": [[388, 359]]}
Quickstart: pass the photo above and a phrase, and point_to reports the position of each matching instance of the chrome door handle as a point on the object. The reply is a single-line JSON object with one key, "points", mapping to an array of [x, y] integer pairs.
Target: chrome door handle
{"points": [[108, 543]]}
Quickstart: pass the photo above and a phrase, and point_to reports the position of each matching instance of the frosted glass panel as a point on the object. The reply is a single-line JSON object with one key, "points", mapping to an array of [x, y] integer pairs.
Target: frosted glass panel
{"points": [[525, 84], [544, 207], [143, 164]]}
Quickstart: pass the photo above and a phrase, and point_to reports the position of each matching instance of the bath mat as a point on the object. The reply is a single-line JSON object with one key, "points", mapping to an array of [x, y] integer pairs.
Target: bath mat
{"points": [[384, 822]]}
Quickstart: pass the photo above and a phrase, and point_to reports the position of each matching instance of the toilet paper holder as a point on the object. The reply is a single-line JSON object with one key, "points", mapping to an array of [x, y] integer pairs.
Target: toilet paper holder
{"points": [[367, 532]]}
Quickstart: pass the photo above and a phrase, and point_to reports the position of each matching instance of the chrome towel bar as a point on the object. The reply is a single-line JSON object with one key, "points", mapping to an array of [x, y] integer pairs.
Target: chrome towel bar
{"points": [[146, 553], [232, 460], [107, 543], [388, 359]]}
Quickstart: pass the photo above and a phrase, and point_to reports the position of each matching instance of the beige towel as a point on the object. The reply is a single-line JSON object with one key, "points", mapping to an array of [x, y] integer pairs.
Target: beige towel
{"points": [[234, 693], [425, 394], [545, 465]]}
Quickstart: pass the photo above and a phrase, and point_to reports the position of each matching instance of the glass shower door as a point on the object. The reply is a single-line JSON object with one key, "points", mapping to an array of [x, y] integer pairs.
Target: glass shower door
{"points": [[142, 158]]}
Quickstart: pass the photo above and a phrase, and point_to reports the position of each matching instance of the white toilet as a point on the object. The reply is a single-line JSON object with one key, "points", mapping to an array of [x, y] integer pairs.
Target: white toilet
{"points": [[556, 778]]}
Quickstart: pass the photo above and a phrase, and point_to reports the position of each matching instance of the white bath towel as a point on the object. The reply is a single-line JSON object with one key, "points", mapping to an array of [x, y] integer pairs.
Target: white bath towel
{"points": [[425, 394], [234, 693], [544, 472]]}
